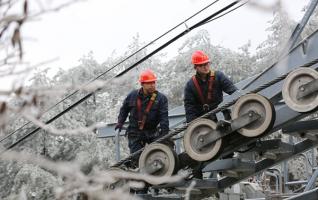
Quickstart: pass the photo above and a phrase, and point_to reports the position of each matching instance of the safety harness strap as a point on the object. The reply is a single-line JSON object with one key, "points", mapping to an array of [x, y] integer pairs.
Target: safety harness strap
{"points": [[210, 88], [143, 116], [211, 81], [197, 86]]}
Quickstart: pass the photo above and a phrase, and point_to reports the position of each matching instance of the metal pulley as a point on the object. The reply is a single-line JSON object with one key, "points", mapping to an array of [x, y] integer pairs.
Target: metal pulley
{"points": [[158, 160], [261, 106], [300, 89], [195, 135]]}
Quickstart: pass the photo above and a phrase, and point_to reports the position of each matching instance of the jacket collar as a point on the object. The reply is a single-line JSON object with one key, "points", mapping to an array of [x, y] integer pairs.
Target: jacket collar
{"points": [[199, 77], [141, 93]]}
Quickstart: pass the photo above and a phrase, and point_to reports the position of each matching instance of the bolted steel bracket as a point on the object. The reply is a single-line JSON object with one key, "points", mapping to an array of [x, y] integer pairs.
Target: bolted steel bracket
{"points": [[307, 89], [153, 167], [226, 127]]}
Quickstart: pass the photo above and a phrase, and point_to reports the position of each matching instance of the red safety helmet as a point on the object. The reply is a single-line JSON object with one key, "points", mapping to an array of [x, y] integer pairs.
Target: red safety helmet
{"points": [[147, 76], [199, 57]]}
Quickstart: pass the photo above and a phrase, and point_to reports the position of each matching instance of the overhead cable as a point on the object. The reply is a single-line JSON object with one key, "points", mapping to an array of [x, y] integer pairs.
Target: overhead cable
{"points": [[114, 66], [129, 68]]}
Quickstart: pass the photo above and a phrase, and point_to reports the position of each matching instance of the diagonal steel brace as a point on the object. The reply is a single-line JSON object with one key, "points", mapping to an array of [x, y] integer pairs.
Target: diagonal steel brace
{"points": [[225, 128]]}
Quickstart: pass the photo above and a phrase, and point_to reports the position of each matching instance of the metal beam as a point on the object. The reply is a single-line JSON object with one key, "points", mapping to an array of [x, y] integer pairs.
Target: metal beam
{"points": [[176, 117], [266, 163], [215, 185], [301, 127], [309, 195], [235, 164]]}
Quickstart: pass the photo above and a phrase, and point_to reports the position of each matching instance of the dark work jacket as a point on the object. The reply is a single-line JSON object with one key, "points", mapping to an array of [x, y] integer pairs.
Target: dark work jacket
{"points": [[158, 113], [192, 103]]}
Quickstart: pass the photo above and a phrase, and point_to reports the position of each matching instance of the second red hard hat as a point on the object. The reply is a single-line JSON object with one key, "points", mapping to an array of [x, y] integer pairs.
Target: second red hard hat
{"points": [[199, 57], [147, 76]]}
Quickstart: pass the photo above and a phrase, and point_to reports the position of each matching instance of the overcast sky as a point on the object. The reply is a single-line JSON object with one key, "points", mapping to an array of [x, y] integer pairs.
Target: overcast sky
{"points": [[101, 26]]}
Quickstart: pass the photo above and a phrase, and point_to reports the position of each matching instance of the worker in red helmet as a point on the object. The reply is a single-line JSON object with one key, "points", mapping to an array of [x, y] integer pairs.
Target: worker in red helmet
{"points": [[204, 91], [148, 113]]}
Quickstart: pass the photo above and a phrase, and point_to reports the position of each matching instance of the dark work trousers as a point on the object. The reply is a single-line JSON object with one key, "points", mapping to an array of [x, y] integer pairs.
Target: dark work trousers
{"points": [[138, 140]]}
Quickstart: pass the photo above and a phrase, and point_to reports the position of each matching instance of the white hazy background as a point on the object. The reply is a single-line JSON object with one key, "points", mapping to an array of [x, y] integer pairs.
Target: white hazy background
{"points": [[102, 27]]}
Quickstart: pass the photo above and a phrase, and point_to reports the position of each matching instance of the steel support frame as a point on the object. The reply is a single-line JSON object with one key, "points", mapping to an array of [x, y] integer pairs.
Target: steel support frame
{"points": [[300, 55], [303, 53], [309, 195], [217, 185], [214, 185], [236, 164], [210, 184], [273, 146], [266, 163], [301, 127], [312, 181]]}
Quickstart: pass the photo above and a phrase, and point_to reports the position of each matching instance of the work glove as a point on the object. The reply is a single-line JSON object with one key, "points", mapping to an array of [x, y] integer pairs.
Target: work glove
{"points": [[118, 127]]}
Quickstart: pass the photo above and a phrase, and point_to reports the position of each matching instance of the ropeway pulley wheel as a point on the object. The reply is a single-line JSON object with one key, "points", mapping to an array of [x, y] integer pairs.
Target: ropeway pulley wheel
{"points": [[158, 160], [196, 130], [261, 106], [292, 86]]}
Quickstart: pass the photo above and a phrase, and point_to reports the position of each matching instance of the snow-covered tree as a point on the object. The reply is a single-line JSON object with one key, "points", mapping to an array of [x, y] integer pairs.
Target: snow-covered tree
{"points": [[312, 24], [269, 51]]}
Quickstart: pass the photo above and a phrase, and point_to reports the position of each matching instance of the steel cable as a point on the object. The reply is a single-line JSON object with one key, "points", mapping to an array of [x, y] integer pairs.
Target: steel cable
{"points": [[127, 69], [114, 66], [214, 111]]}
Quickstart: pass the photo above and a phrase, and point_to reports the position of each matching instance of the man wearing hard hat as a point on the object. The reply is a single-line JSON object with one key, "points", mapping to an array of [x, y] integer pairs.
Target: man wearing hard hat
{"points": [[204, 91], [148, 113]]}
